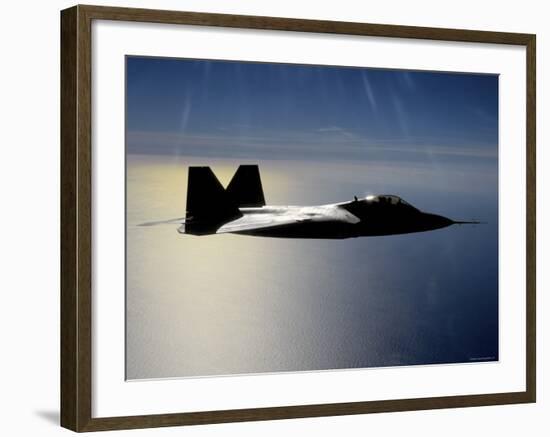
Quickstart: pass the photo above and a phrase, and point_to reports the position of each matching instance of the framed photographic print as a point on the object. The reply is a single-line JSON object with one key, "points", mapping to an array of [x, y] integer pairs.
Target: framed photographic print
{"points": [[268, 218]]}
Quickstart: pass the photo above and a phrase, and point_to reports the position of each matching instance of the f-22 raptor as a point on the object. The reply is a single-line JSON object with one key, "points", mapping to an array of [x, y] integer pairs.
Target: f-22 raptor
{"points": [[241, 209]]}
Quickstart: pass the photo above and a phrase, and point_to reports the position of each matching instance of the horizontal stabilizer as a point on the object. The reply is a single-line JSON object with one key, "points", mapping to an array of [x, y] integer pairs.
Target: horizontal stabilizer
{"points": [[178, 220]]}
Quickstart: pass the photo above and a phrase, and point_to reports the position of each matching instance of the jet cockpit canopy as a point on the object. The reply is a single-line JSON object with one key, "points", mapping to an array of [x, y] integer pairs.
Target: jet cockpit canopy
{"points": [[388, 199]]}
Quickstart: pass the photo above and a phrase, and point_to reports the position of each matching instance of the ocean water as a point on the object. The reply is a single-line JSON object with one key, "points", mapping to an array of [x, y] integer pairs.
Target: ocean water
{"points": [[231, 304]]}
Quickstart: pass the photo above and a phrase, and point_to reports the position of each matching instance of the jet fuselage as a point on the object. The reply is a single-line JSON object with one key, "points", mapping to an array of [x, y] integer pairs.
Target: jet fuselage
{"points": [[358, 218]]}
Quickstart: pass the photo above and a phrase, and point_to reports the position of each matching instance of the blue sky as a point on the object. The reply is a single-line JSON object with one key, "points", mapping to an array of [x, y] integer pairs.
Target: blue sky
{"points": [[282, 111]]}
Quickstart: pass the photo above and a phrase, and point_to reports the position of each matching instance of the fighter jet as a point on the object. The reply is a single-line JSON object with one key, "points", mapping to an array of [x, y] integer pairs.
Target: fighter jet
{"points": [[241, 209]]}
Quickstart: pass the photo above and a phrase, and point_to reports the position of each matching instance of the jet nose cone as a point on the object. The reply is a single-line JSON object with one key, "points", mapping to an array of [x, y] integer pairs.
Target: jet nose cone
{"points": [[438, 221]]}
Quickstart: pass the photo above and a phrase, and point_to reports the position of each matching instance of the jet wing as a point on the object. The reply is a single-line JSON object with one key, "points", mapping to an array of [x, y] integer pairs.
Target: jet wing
{"points": [[250, 222]]}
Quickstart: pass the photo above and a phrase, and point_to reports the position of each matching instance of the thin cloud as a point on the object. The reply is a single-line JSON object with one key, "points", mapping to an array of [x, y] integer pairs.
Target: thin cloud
{"points": [[369, 92], [322, 143]]}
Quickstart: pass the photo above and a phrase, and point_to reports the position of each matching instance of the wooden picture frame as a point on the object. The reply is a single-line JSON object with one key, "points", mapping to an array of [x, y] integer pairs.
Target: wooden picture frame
{"points": [[76, 218]]}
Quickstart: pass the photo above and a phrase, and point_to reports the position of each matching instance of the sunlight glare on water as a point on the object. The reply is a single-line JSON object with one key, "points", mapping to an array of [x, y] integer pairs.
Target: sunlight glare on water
{"points": [[231, 304]]}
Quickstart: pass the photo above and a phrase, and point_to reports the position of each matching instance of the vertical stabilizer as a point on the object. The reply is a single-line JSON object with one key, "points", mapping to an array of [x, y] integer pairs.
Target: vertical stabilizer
{"points": [[208, 204], [245, 188]]}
